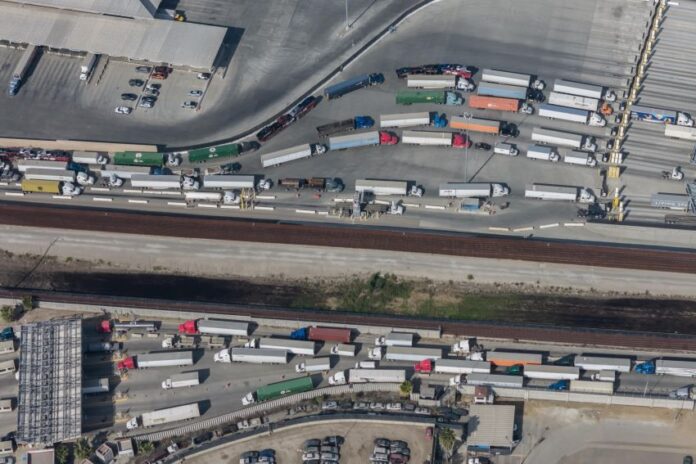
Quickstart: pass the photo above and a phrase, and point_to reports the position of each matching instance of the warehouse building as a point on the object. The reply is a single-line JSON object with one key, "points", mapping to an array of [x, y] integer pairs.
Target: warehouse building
{"points": [[125, 29], [491, 429], [49, 403]]}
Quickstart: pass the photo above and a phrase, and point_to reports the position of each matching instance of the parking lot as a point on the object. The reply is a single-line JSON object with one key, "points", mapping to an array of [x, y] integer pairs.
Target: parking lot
{"points": [[358, 446]]}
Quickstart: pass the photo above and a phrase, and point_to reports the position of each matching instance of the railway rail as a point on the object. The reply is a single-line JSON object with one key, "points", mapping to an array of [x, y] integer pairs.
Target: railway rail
{"points": [[479, 246], [550, 334]]}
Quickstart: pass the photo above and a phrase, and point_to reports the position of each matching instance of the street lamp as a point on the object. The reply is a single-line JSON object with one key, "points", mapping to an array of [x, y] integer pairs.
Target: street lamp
{"points": [[347, 25], [467, 117]]}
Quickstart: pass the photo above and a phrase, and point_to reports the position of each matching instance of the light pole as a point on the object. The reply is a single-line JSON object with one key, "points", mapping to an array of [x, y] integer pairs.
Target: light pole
{"points": [[467, 117], [347, 25]]}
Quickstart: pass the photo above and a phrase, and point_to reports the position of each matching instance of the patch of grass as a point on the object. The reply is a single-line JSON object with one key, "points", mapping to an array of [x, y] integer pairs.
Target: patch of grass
{"points": [[309, 299], [470, 307], [376, 294]]}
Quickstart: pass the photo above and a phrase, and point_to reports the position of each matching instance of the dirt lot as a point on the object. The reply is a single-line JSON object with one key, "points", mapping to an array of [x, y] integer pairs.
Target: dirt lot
{"points": [[359, 437]]}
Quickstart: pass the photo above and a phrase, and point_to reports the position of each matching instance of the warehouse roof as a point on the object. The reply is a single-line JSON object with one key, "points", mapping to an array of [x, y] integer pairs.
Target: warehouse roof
{"points": [[491, 426], [128, 8], [156, 41]]}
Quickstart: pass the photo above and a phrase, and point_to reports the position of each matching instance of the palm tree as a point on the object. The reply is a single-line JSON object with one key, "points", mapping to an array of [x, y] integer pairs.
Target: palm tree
{"points": [[62, 454], [82, 449], [406, 388], [447, 440]]}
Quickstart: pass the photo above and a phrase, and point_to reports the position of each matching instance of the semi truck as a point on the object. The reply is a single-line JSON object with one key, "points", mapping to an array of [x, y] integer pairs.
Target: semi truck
{"points": [[89, 157], [322, 364], [278, 389], [548, 372], [512, 105], [344, 349], [200, 155], [87, 65], [452, 366], [95, 386], [495, 380], [601, 363], [558, 192], [156, 182], [165, 359], [404, 120], [229, 182], [323, 334], [55, 187], [510, 78], [24, 165], [564, 139], [186, 379], [687, 393], [670, 201], [252, 355], [165, 416], [574, 101], [49, 174], [395, 339], [472, 189], [435, 139], [678, 367], [487, 126], [465, 346], [507, 149], [680, 132], [363, 139], [297, 347], [644, 113], [387, 187], [539, 152], [279, 157], [138, 158], [20, 71], [513, 358], [564, 113], [591, 386], [347, 86], [604, 376], [215, 327], [408, 353], [488, 89], [228, 198], [347, 125], [580, 158], [368, 376], [442, 81], [124, 172], [106, 326], [437, 97], [583, 90]]}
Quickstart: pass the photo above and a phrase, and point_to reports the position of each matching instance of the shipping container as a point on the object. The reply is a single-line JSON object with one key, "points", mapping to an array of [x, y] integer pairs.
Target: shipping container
{"points": [[41, 186], [382, 187], [156, 182], [229, 182], [125, 172], [552, 372], [563, 113], [203, 154], [404, 120], [461, 366], [494, 103], [487, 126], [591, 386], [138, 158], [407, 353], [24, 164], [576, 88], [680, 132], [297, 347], [670, 201], [511, 358], [376, 375], [329, 334], [495, 380], [284, 388], [425, 81], [677, 367], [168, 415], [95, 386], [502, 91], [49, 174], [505, 77], [288, 154], [410, 97], [600, 363], [89, 157], [219, 327], [574, 101]]}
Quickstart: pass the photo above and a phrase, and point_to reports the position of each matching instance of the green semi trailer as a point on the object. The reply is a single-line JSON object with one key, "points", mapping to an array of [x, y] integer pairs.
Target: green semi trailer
{"points": [[137, 158], [203, 154], [278, 389], [438, 97]]}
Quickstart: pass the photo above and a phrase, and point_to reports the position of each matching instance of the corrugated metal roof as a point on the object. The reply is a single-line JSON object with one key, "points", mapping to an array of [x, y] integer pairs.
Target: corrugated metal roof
{"points": [[157, 41], [130, 8], [491, 425]]}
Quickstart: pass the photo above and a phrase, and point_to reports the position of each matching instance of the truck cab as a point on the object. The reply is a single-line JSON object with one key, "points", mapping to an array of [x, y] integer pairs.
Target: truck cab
{"points": [[339, 378], [222, 356], [248, 399], [376, 353], [561, 385], [424, 367]]}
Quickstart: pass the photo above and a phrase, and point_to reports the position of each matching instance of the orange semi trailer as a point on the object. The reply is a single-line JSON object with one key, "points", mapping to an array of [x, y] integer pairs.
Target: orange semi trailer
{"points": [[512, 358], [475, 124], [494, 103]]}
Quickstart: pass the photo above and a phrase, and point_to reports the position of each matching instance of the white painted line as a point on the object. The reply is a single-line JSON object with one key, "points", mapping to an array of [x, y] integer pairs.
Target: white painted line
{"points": [[323, 213], [176, 203], [305, 211], [412, 205], [266, 197], [18, 184], [62, 197], [207, 205], [434, 207], [673, 3], [132, 191], [342, 200], [98, 189], [4, 183], [166, 192], [548, 226], [14, 194], [523, 229], [500, 229], [574, 224], [137, 201], [232, 207], [265, 208], [102, 199]]}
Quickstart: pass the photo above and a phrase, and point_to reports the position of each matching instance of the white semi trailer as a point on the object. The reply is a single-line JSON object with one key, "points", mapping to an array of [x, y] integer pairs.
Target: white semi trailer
{"points": [[558, 192], [164, 416]]}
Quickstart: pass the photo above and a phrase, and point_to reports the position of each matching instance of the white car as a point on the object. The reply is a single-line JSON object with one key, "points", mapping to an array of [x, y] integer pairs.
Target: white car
{"points": [[424, 411], [329, 405], [361, 406], [123, 110], [310, 456], [394, 407], [195, 93], [377, 406]]}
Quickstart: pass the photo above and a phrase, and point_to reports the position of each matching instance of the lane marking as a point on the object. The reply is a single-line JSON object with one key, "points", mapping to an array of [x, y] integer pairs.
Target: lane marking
{"points": [[102, 199], [548, 226], [137, 201]]}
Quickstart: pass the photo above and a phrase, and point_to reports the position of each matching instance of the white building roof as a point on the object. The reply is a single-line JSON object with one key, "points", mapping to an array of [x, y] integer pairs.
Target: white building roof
{"points": [[144, 9], [156, 41], [491, 426]]}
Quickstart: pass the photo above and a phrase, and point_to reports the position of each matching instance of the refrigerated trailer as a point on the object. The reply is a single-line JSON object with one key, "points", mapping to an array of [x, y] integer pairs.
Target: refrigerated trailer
{"points": [[252, 355], [601, 363], [156, 182], [564, 139], [583, 90], [426, 81], [539, 152], [124, 172], [186, 379], [404, 120], [395, 339], [552, 372], [591, 386], [298, 347], [362, 139], [502, 91], [344, 349], [164, 359], [322, 364], [291, 154], [229, 182], [564, 113], [574, 101], [89, 157], [49, 174], [407, 353], [215, 327], [165, 416], [505, 77], [678, 367], [461, 366], [580, 158], [558, 192], [680, 132], [382, 187], [376, 375], [24, 164], [472, 189], [495, 380]]}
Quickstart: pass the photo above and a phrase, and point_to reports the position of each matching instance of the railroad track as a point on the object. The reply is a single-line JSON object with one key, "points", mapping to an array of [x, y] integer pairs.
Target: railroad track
{"points": [[548, 334], [627, 257]]}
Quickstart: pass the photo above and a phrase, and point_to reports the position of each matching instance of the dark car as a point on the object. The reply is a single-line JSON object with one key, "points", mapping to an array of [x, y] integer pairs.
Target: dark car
{"points": [[333, 440], [536, 96], [401, 73], [509, 130], [688, 460], [249, 454], [129, 97], [304, 107], [384, 442], [143, 69], [595, 211], [269, 131], [202, 438], [482, 146], [268, 452], [135, 83], [311, 442]]}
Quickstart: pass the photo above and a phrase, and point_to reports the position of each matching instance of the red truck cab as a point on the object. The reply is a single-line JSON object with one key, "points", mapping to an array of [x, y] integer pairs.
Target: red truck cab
{"points": [[104, 326], [424, 367], [460, 141], [126, 363], [188, 328], [388, 138]]}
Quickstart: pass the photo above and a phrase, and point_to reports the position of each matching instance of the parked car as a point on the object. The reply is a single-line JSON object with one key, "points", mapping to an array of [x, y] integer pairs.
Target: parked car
{"points": [[377, 406], [123, 110], [310, 456], [329, 449], [429, 433], [152, 92], [135, 83], [195, 93], [482, 146], [312, 442], [329, 406], [394, 407], [333, 440], [384, 442], [146, 103], [189, 105], [129, 97], [361, 406], [153, 86], [143, 69], [267, 452], [203, 76]]}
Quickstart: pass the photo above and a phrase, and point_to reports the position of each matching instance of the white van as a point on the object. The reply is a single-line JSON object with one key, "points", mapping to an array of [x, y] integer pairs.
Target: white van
{"points": [[507, 149], [5, 405]]}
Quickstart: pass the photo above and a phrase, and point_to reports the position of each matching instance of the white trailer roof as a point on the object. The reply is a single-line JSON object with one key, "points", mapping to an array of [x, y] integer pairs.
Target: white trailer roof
{"points": [[144, 9], [479, 121], [259, 352], [398, 117], [229, 325], [149, 357], [676, 363], [602, 360], [547, 368], [285, 152], [554, 133], [367, 184], [514, 356], [233, 180], [447, 136], [403, 336], [185, 376], [434, 353]]}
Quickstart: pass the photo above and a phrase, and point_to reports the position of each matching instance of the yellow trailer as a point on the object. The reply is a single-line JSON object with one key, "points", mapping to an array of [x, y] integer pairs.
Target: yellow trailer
{"points": [[41, 186]]}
